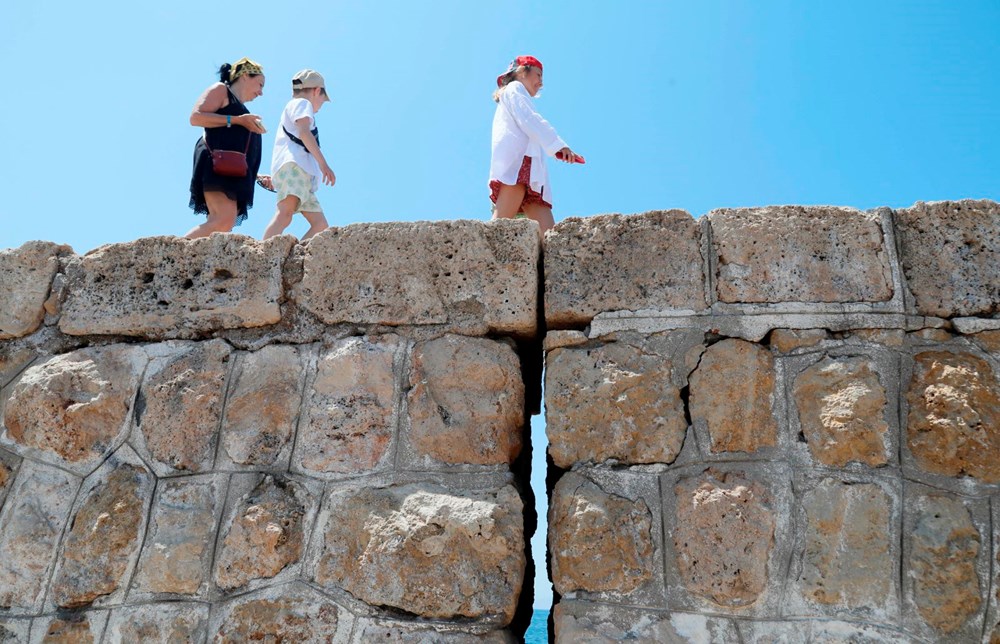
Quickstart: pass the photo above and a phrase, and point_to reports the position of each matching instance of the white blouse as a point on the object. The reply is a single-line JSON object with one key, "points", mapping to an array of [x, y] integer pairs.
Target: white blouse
{"points": [[519, 131]]}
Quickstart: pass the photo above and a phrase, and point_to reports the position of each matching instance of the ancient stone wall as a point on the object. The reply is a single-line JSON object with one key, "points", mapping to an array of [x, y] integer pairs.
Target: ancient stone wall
{"points": [[775, 425], [232, 440]]}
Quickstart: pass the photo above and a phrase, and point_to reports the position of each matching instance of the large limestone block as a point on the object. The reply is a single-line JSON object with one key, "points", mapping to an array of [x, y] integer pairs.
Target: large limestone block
{"points": [[265, 534], [842, 405], [262, 407], [290, 613], [618, 401], [180, 402], [466, 276], [466, 404], [800, 254], [181, 537], [944, 546], [599, 542], [847, 562], [732, 395], [25, 278], [583, 622], [75, 628], [954, 415], [31, 525], [724, 532], [168, 287], [104, 537], [72, 408], [349, 419], [425, 550], [950, 253], [617, 262], [162, 623], [399, 632]]}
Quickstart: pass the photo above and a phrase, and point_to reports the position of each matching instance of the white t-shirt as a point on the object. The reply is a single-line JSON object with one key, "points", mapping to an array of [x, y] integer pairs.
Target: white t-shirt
{"points": [[288, 151]]}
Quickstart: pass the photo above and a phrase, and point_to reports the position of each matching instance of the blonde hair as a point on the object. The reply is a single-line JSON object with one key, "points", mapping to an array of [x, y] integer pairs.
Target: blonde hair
{"points": [[510, 76]]}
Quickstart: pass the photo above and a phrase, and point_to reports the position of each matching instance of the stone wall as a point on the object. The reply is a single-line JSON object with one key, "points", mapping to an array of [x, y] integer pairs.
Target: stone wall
{"points": [[775, 425], [765, 425], [233, 440]]}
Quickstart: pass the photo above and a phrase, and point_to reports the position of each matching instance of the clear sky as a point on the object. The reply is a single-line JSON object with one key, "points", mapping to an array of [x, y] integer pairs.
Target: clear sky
{"points": [[692, 105]]}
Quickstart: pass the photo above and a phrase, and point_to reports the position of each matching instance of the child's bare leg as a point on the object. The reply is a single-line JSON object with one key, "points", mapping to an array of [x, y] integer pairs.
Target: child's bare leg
{"points": [[282, 216], [541, 214], [221, 216], [317, 223], [508, 201]]}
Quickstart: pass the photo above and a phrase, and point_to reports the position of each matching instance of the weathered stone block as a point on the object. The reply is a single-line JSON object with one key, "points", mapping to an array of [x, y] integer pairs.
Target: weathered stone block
{"points": [[73, 628], [263, 406], [178, 548], [616, 262], [180, 402], [265, 534], [31, 525], [847, 560], [724, 532], [8, 463], [163, 623], [349, 419], [466, 404], [732, 396], [842, 404], [425, 550], [943, 549], [466, 276], [25, 278], [370, 630], [599, 542], [577, 621], [14, 631], [72, 408], [168, 287], [104, 536], [800, 254], [954, 413], [788, 340], [618, 401], [950, 253], [14, 357], [290, 613]]}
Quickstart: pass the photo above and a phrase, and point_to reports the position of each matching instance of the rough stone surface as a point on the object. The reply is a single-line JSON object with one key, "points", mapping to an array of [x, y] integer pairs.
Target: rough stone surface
{"points": [[577, 621], [425, 550], [988, 340], [265, 534], [724, 532], [293, 615], [599, 542], [615, 401], [616, 262], [165, 623], [950, 254], [31, 525], [787, 340], [954, 402], [263, 406], [847, 561], [77, 629], [105, 533], [466, 404], [7, 464], [466, 276], [181, 536], [800, 254], [732, 393], [25, 277], [349, 404], [168, 287], [13, 358], [73, 406], [944, 545], [841, 405], [14, 631], [368, 630], [180, 403]]}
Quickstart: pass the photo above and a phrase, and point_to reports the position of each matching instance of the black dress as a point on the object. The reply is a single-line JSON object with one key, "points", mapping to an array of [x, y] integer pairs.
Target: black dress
{"points": [[203, 179]]}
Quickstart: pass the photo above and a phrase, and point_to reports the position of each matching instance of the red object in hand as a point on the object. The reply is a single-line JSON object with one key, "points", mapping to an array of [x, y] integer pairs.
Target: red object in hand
{"points": [[576, 159]]}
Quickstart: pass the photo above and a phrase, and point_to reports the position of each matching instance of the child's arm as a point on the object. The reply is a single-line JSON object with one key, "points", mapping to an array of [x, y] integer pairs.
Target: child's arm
{"points": [[308, 140]]}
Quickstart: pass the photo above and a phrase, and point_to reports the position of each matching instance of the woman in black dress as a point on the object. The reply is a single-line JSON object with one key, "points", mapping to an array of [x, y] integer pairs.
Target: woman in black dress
{"points": [[228, 123]]}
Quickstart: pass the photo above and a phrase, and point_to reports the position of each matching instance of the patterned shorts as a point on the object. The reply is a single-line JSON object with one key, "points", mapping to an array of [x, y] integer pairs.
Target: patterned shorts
{"points": [[523, 179], [291, 179]]}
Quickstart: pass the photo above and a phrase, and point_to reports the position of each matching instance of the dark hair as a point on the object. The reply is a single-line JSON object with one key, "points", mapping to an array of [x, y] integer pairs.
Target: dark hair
{"points": [[226, 70], [508, 78]]}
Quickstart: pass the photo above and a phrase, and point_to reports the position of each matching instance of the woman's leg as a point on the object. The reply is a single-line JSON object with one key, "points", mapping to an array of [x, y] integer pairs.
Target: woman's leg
{"points": [[282, 216], [540, 213], [509, 201], [317, 224], [221, 216]]}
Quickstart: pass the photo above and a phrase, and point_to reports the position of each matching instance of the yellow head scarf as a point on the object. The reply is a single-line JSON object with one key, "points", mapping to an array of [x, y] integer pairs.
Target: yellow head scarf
{"points": [[244, 66]]}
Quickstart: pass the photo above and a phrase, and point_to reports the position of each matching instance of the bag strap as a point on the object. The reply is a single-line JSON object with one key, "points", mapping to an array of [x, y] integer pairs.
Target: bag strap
{"points": [[315, 133]]}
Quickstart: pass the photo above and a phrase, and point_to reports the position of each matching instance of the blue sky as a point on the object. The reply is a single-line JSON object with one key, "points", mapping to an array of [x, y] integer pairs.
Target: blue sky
{"points": [[693, 105]]}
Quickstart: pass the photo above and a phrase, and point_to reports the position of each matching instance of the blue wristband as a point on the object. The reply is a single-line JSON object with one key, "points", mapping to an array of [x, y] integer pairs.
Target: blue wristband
{"points": [[229, 120]]}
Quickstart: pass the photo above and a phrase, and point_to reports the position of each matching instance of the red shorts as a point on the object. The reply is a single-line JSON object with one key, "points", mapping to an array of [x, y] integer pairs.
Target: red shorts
{"points": [[523, 179]]}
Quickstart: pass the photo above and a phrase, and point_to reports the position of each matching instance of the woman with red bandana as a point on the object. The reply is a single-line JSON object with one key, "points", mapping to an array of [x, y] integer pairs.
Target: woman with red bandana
{"points": [[519, 181]]}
